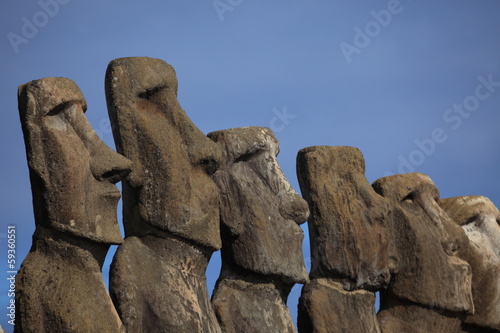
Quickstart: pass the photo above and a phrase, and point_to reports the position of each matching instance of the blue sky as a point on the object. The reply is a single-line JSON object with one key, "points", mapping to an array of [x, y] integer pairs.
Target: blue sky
{"points": [[414, 84]]}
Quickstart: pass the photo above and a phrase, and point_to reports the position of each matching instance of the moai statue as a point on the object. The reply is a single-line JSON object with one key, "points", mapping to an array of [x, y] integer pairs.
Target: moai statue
{"points": [[59, 287], [431, 290], [261, 239], [350, 250], [480, 220], [170, 203]]}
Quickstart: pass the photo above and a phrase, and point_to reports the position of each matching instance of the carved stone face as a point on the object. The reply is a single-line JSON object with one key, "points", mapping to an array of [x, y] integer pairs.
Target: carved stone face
{"points": [[347, 228], [170, 186], [72, 171], [260, 211], [480, 220], [429, 272]]}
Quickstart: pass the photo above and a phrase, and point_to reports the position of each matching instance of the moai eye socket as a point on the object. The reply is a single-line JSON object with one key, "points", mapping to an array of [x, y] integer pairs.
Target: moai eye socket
{"points": [[149, 93], [58, 109], [210, 165], [250, 155], [410, 203], [475, 220], [245, 157]]}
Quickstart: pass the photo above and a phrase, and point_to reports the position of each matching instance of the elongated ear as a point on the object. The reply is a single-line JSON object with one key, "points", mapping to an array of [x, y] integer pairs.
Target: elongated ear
{"points": [[31, 122], [122, 114]]}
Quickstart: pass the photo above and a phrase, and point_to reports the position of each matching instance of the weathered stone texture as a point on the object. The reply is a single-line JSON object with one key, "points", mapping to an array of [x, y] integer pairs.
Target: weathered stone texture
{"points": [[347, 227], [435, 262], [171, 205], [479, 218], [429, 274], [71, 170], [399, 317], [159, 285], [251, 306], [262, 241], [59, 287], [349, 241], [170, 186], [326, 307], [260, 211]]}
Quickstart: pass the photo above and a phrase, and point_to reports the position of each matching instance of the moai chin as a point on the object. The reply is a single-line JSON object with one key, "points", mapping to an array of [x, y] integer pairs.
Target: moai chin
{"points": [[431, 291], [479, 218], [350, 250], [170, 202], [262, 241], [59, 287]]}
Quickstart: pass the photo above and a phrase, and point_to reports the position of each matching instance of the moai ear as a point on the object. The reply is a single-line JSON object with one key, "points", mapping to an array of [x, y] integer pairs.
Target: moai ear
{"points": [[30, 121]]}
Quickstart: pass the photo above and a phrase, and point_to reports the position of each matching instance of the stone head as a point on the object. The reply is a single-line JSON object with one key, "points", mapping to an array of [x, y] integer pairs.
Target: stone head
{"points": [[169, 187], [347, 227], [72, 171], [427, 241], [480, 220], [260, 211]]}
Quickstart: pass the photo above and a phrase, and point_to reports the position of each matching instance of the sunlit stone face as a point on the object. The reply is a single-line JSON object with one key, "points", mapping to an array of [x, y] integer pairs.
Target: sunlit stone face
{"points": [[348, 223], [170, 186], [429, 271], [261, 212], [480, 219], [72, 171]]}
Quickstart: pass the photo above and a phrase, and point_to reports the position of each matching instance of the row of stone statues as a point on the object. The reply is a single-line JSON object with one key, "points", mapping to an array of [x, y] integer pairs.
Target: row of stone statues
{"points": [[185, 195]]}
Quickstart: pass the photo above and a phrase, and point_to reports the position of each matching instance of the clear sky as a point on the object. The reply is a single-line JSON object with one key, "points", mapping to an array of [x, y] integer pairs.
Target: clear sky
{"points": [[414, 84]]}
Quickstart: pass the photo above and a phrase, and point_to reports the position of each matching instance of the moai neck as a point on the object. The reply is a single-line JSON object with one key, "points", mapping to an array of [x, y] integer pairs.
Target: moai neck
{"points": [[179, 253], [75, 250], [416, 318], [252, 303]]}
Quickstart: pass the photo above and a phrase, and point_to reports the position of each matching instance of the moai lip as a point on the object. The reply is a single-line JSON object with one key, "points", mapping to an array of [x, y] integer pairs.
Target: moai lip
{"points": [[431, 290], [479, 218], [72, 171], [259, 207], [170, 203], [262, 240], [170, 186], [59, 287]]}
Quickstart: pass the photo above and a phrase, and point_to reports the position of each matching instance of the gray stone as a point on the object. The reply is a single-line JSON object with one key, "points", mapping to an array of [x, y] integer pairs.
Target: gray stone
{"points": [[170, 203], [348, 224], [159, 285], [59, 287], [397, 317], [326, 307], [349, 240], [251, 306], [431, 284], [479, 218], [262, 241]]}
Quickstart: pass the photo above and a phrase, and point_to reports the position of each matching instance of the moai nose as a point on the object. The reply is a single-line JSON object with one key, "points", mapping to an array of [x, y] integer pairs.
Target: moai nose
{"points": [[108, 165]]}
